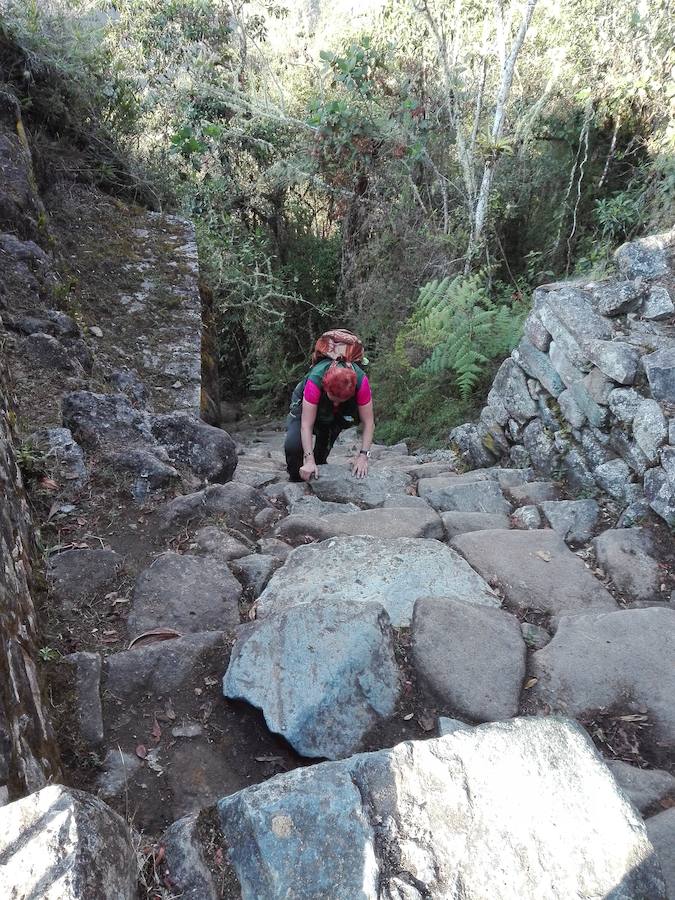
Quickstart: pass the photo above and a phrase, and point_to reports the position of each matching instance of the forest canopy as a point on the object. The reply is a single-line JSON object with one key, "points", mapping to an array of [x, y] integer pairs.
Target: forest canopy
{"points": [[410, 169]]}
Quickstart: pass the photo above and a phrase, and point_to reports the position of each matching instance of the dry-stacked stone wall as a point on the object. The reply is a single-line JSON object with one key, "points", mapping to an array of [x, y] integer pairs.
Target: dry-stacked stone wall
{"points": [[588, 395], [28, 756]]}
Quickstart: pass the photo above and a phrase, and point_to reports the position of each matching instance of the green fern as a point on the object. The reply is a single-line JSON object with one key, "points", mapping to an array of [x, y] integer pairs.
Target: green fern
{"points": [[463, 328]]}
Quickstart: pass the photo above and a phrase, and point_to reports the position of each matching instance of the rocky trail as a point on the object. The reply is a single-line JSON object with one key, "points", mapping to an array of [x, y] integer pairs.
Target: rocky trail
{"points": [[387, 688]]}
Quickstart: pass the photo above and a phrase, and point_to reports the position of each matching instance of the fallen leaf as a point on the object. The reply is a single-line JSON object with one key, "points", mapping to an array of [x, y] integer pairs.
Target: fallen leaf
{"points": [[153, 636], [530, 683], [141, 752], [632, 718], [667, 802], [544, 554], [408, 717], [156, 732], [49, 484], [81, 521], [168, 711]]}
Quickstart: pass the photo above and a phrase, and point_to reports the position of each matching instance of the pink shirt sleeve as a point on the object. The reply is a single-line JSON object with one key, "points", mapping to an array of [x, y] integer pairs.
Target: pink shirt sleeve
{"points": [[363, 394], [312, 394]]}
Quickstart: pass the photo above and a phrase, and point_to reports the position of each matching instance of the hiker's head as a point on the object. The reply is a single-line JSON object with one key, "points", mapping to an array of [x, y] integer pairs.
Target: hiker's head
{"points": [[339, 383]]}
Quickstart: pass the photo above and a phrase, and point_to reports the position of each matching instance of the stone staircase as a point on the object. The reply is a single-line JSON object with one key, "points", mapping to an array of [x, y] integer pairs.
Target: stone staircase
{"points": [[430, 683]]}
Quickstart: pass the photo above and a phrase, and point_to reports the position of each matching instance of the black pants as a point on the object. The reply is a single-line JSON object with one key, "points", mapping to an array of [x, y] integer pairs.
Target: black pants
{"points": [[326, 435]]}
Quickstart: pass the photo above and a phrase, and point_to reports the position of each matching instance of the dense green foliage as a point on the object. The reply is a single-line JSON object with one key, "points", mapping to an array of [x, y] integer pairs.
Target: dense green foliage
{"points": [[334, 163]]}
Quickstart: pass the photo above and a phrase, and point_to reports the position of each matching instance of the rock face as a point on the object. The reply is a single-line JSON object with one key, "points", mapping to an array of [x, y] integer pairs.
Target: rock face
{"points": [[472, 657], [630, 667], [419, 820], [28, 755], [323, 675], [535, 570], [62, 844], [392, 572]]}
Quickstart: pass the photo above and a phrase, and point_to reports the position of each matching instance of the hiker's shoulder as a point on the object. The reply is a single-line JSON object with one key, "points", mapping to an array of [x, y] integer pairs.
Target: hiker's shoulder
{"points": [[317, 371]]}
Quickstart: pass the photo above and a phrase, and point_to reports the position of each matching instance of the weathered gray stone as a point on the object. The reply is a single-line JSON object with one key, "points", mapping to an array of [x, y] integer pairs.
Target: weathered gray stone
{"points": [[658, 303], [646, 257], [612, 298], [163, 668], [510, 389], [235, 503], [429, 469], [63, 844], [126, 381], [538, 365], [323, 674], [645, 787], [418, 521], [539, 444], [117, 771], [660, 492], [612, 477], [267, 518], [627, 449], [188, 593], [534, 636], [571, 409], [576, 472], [430, 806], [650, 429], [87, 677], [533, 492], [536, 334], [144, 465], [393, 572], [310, 505], [596, 451], [573, 309], [634, 514], [302, 528], [596, 414], [450, 726], [337, 483], [535, 570], [208, 451], [63, 455], [274, 547], [188, 871], [214, 541], [617, 359], [569, 373], [468, 442], [526, 517], [599, 386], [460, 522], [472, 657], [574, 520], [509, 478], [623, 404], [255, 571], [630, 666], [660, 371], [661, 833], [405, 501], [105, 419], [454, 494], [76, 574], [625, 554]]}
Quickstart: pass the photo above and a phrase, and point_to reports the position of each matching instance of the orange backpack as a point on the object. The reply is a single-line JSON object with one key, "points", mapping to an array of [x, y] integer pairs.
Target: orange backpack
{"points": [[338, 344]]}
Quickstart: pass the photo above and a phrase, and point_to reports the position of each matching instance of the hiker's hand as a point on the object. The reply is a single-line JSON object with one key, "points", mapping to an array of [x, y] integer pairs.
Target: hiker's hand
{"points": [[309, 470], [360, 466]]}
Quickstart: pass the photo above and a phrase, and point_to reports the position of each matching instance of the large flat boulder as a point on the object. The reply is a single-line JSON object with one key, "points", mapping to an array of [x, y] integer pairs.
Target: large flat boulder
{"points": [[419, 521], [618, 659], [63, 844], [626, 555], [472, 657], [457, 493], [496, 811], [337, 483], [535, 570], [392, 571], [323, 674], [187, 593], [460, 522]]}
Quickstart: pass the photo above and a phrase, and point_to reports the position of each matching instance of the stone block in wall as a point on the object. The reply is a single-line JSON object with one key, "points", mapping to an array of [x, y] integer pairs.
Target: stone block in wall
{"points": [[599, 386], [612, 477], [623, 404], [536, 333], [660, 492], [467, 439], [594, 444], [660, 370], [648, 257], [540, 446], [577, 473], [658, 304], [617, 359], [538, 365], [571, 409], [612, 298], [510, 389], [596, 414], [650, 429], [628, 450], [565, 340], [569, 374]]}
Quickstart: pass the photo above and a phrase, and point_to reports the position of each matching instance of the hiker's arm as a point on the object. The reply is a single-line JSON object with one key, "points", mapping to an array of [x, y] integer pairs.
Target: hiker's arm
{"points": [[309, 469], [360, 463]]}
